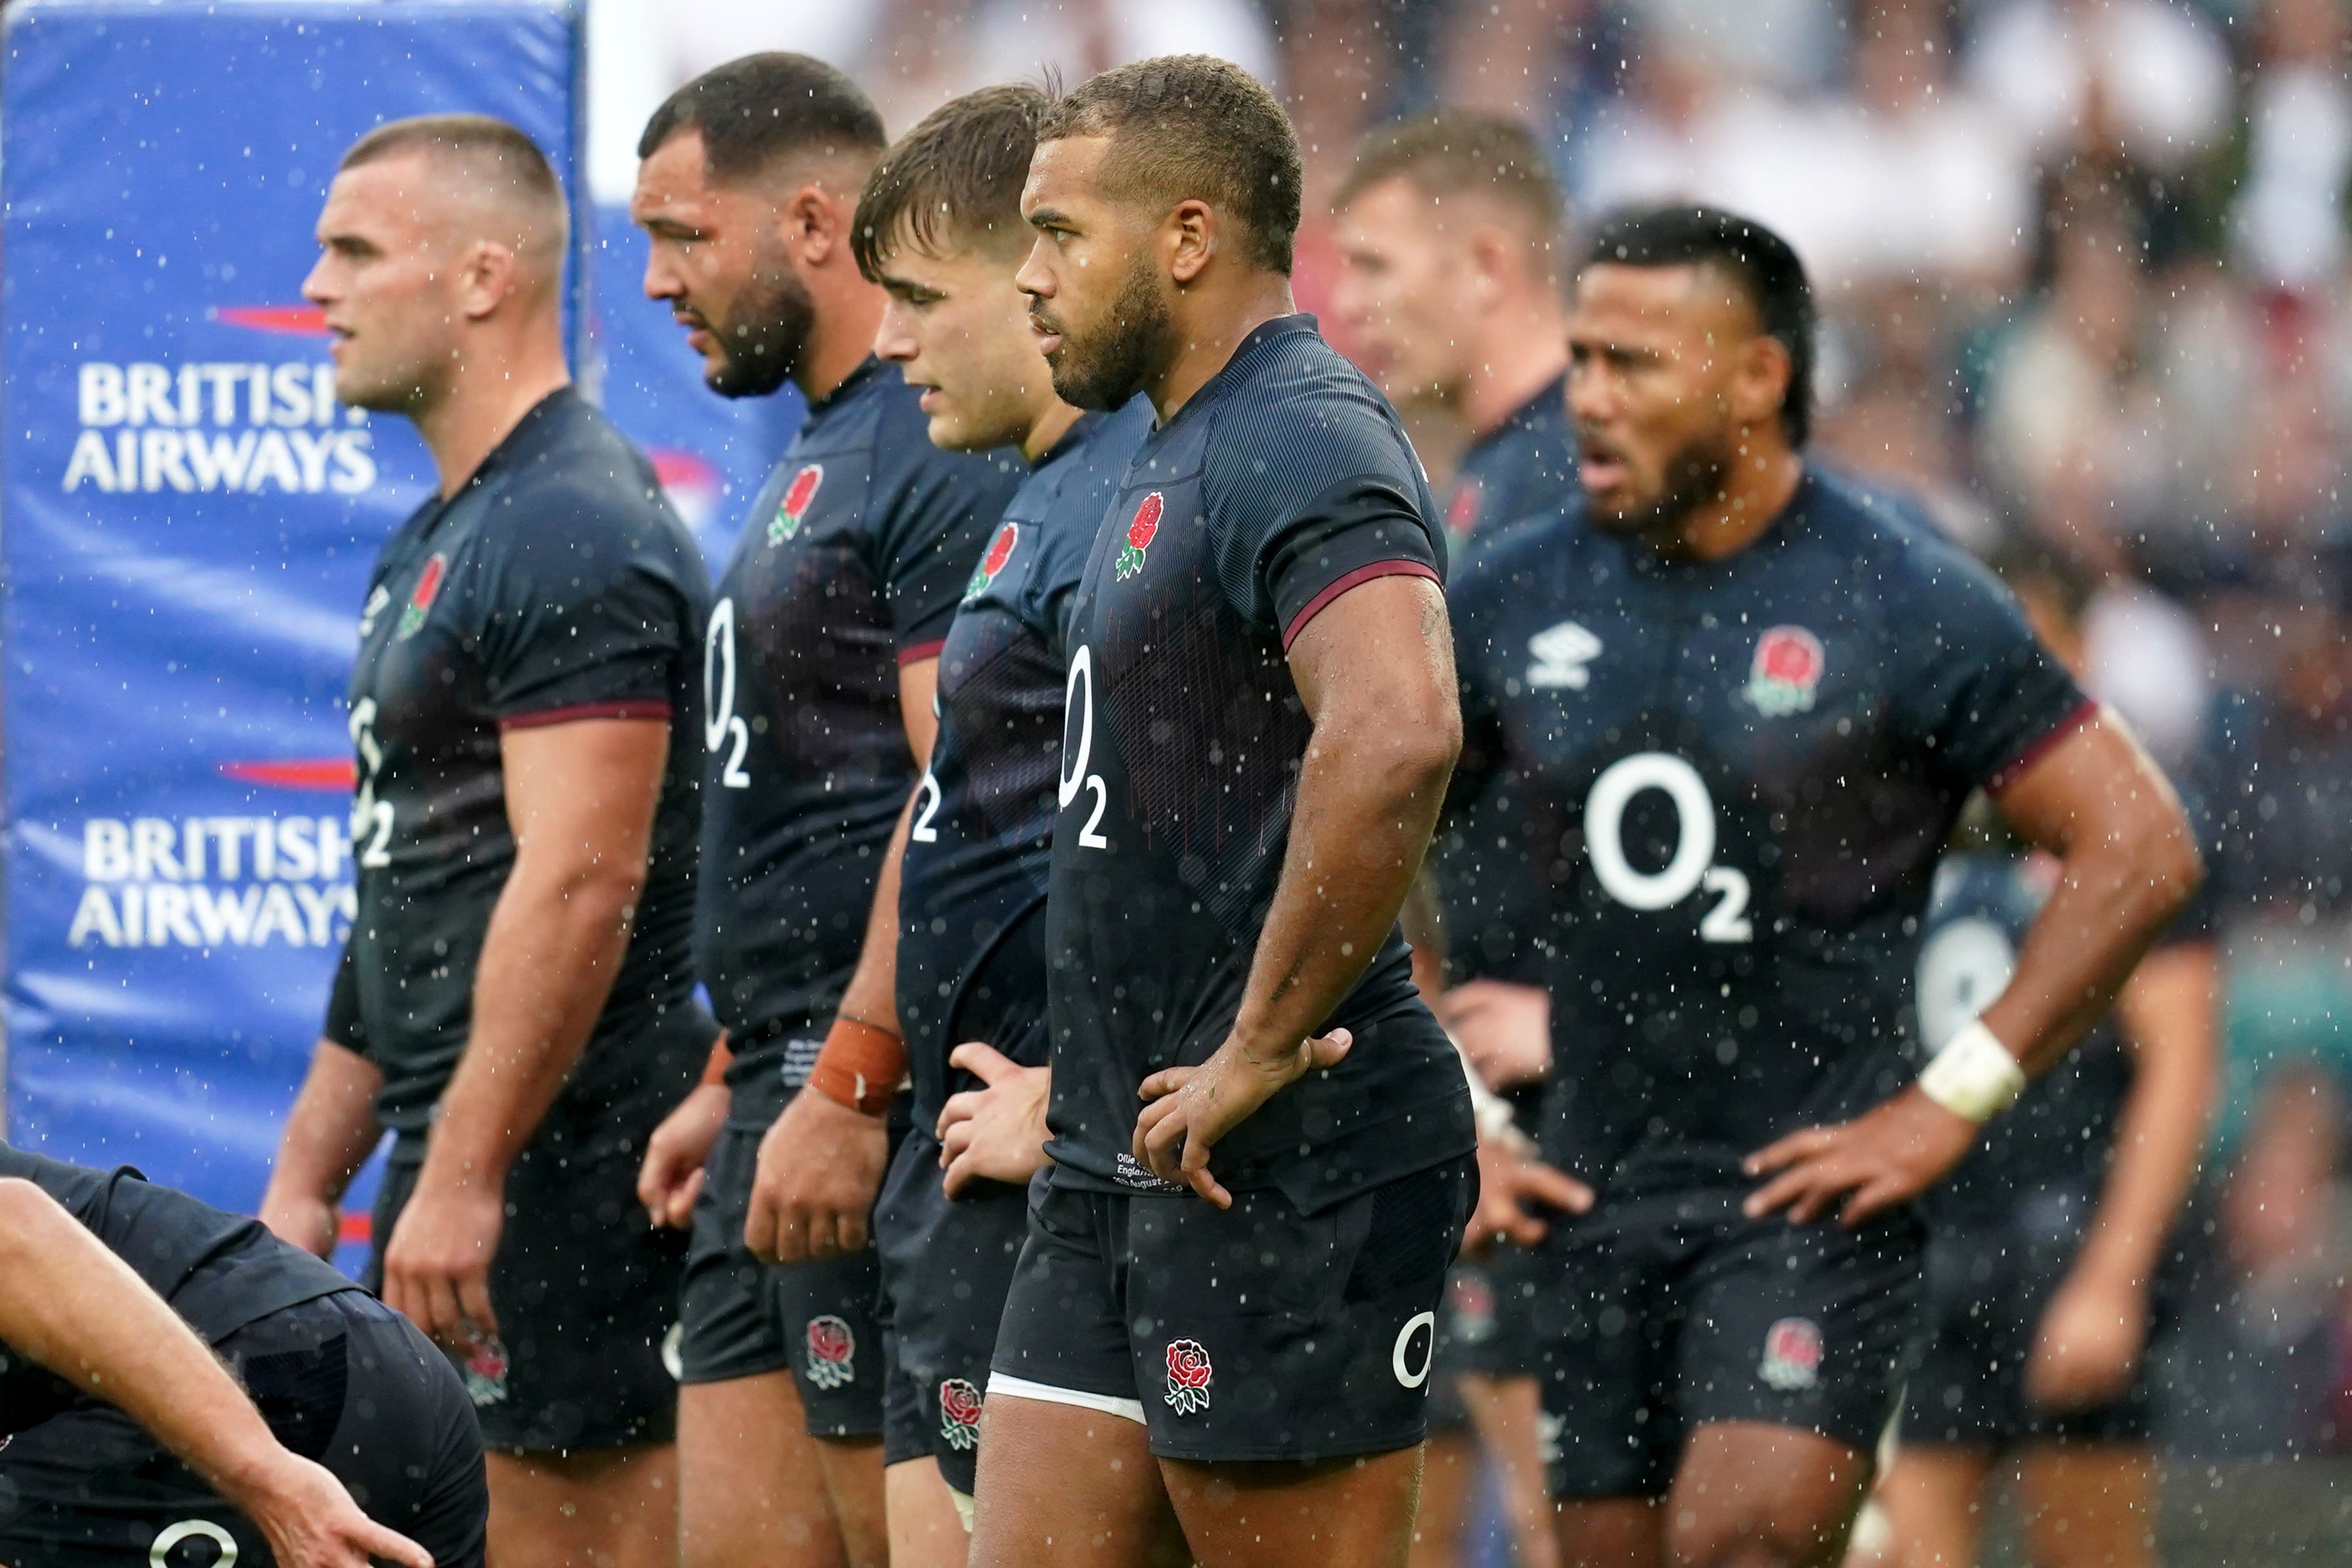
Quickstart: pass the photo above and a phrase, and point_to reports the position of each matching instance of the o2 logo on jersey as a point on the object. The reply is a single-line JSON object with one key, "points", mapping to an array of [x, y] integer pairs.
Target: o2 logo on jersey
{"points": [[1792, 1356], [1786, 670], [960, 1413], [1000, 550], [1140, 532], [420, 598], [1189, 1376], [720, 723], [832, 1352], [1692, 867], [1079, 699], [795, 504], [1964, 965]]}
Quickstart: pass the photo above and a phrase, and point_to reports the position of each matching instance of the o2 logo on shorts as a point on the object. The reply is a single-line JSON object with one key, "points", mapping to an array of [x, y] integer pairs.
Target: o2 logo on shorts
{"points": [[960, 1414], [486, 1371], [832, 1352], [159, 1554], [1399, 1363], [1792, 1356], [1189, 1375]]}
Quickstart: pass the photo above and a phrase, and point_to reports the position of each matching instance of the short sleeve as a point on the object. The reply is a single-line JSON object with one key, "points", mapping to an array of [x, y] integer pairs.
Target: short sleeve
{"points": [[1978, 689], [585, 622], [929, 537], [343, 1025]]}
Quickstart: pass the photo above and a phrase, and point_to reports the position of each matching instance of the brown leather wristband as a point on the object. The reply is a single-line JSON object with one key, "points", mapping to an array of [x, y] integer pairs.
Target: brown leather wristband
{"points": [[715, 1069], [860, 1066]]}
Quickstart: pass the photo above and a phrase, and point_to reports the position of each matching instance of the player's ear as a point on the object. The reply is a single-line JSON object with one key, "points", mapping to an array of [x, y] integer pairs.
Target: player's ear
{"points": [[487, 274], [1190, 236], [1760, 382], [814, 225]]}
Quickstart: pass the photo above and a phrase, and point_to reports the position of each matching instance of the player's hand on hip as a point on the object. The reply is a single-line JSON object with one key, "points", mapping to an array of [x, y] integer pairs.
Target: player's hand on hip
{"points": [[1887, 1155], [2088, 1346], [996, 1133], [1504, 1028], [313, 1522], [820, 1166], [1193, 1107], [437, 1267], [671, 1178], [1511, 1178]]}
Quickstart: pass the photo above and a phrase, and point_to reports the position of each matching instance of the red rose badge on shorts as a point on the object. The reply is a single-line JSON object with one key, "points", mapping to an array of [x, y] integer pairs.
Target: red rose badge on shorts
{"points": [[486, 1371], [832, 1352], [959, 1413], [421, 597], [1139, 530], [1787, 668], [1000, 550], [1792, 1356], [1188, 1377], [795, 504]]}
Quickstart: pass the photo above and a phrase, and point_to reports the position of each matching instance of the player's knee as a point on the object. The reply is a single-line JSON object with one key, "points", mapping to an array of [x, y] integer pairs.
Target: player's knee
{"points": [[1741, 1538]]}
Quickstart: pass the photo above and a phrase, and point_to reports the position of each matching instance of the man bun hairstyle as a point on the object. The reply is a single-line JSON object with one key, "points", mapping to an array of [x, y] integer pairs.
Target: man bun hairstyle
{"points": [[957, 176], [756, 111], [505, 162], [1456, 151], [1760, 262], [1188, 127]]}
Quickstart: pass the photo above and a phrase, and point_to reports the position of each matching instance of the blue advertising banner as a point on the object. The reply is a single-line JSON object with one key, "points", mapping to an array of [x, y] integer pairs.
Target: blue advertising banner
{"points": [[189, 520]]}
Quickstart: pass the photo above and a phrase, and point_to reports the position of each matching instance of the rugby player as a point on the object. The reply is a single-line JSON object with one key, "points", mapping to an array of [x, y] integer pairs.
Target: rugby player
{"points": [[823, 656], [516, 998], [1779, 696], [2051, 1245], [1218, 1333], [177, 1386], [1450, 288]]}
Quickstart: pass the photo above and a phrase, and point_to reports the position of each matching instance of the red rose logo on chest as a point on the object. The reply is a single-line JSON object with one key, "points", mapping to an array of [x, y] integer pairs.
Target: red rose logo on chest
{"points": [[1786, 672], [1000, 550], [794, 507], [1189, 1375], [1140, 532], [421, 597]]}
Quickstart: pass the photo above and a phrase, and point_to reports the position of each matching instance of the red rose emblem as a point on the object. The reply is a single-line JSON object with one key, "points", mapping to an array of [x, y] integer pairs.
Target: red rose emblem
{"points": [[803, 489], [1788, 668], [1147, 521], [428, 583], [1189, 1375], [1000, 548], [959, 1413], [832, 1352]]}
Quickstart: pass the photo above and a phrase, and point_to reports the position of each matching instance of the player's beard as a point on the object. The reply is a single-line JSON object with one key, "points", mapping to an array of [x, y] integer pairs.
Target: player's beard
{"points": [[1694, 476], [1105, 368], [762, 339]]}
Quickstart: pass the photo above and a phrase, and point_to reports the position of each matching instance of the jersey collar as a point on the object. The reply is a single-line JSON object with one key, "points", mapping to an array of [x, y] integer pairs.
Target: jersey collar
{"points": [[519, 440], [851, 385]]}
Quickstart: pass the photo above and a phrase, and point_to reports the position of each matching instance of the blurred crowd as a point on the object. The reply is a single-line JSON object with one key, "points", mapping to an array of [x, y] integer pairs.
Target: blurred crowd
{"points": [[2087, 283]]}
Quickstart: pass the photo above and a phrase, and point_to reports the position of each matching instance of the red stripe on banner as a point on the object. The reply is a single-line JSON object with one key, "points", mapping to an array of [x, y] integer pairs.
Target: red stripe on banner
{"points": [[357, 1230], [338, 773], [297, 321]]}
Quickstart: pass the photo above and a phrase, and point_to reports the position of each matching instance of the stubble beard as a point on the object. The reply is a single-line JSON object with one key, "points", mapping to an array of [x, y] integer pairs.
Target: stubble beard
{"points": [[763, 339], [1695, 475], [1104, 370]]}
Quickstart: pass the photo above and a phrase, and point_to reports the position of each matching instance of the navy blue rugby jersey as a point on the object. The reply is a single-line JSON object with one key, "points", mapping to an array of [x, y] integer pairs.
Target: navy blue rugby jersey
{"points": [[557, 585], [1737, 776], [2058, 1136], [857, 553], [1282, 484], [972, 891], [1526, 464]]}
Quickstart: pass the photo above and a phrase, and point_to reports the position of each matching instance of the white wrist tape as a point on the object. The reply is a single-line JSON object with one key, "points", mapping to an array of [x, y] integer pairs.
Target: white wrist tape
{"points": [[1489, 1109], [1974, 1075]]}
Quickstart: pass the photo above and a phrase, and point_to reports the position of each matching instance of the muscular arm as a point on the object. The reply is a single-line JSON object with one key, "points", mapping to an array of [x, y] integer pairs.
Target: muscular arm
{"points": [[580, 798], [1375, 669], [328, 1136], [72, 1305]]}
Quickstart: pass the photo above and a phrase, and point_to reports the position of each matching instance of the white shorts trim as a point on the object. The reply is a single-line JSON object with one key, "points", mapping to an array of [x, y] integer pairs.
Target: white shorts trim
{"points": [[1108, 1403]]}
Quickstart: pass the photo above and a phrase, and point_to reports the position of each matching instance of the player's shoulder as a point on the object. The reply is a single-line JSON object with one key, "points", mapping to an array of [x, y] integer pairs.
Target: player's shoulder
{"points": [[1293, 405], [1887, 537], [582, 498], [1505, 561]]}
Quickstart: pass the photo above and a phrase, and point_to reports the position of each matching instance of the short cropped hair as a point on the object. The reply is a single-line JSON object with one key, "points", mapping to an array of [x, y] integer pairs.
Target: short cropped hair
{"points": [[957, 175], [1185, 127], [1457, 150], [756, 111], [1760, 263], [490, 149]]}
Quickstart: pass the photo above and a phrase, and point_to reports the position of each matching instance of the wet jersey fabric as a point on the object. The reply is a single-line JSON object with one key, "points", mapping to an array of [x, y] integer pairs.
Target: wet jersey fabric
{"points": [[557, 585], [1738, 776], [975, 869], [219, 1271], [1282, 484], [855, 556], [1524, 465]]}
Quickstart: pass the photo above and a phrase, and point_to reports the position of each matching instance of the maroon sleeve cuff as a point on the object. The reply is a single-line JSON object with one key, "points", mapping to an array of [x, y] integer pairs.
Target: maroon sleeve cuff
{"points": [[915, 652], [647, 708], [1355, 579], [2017, 767]]}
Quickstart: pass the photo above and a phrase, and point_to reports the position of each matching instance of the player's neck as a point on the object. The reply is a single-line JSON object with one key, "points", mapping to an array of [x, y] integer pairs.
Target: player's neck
{"points": [[839, 339], [1526, 354], [1756, 491], [1209, 324], [489, 396], [1045, 431]]}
